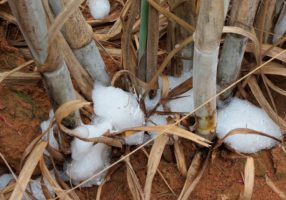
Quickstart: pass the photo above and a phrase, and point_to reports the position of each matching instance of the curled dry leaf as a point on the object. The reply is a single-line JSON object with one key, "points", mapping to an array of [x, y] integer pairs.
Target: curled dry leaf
{"points": [[153, 163], [68, 108], [160, 173], [191, 174], [195, 179], [58, 190], [248, 179], [170, 129], [279, 192], [255, 89], [133, 181], [15, 70], [180, 157], [27, 171]]}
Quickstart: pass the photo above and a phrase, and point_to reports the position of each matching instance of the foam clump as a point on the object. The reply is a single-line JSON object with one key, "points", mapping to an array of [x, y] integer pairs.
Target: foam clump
{"points": [[50, 137], [182, 103], [242, 114], [156, 120], [5, 179], [89, 158], [99, 9], [120, 108], [36, 187]]}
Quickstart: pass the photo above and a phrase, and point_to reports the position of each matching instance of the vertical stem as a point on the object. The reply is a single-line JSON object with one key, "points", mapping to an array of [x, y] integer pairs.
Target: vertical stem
{"points": [[186, 11], [79, 36], [143, 34], [206, 48], [264, 19], [31, 19], [280, 26], [152, 42], [242, 15]]}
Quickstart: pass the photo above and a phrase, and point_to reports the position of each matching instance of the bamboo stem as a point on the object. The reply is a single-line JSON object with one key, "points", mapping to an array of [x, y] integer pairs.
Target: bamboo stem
{"points": [[264, 19], [242, 15], [152, 42], [185, 10], [81, 41], [206, 48], [143, 35], [31, 19], [280, 26]]}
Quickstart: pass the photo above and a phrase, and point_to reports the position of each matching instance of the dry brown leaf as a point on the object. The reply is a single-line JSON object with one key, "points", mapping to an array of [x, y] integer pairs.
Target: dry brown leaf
{"points": [[165, 87], [182, 88], [171, 16], [32, 144], [255, 89], [191, 174], [62, 184], [194, 180], [159, 172], [279, 192], [248, 179], [45, 189], [3, 77], [68, 108], [153, 163], [273, 68], [133, 182], [129, 59], [275, 87], [46, 174], [27, 171], [170, 129], [180, 157], [271, 53]]}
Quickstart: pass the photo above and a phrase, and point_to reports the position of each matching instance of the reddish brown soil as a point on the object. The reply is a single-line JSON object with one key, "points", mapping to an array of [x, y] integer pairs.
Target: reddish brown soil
{"points": [[23, 107]]}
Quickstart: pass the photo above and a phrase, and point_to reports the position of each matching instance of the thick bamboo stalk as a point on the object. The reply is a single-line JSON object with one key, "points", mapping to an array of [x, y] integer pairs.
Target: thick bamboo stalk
{"points": [[152, 42], [280, 26], [79, 36], [206, 48], [186, 11], [264, 19], [242, 15], [225, 9], [31, 19]]}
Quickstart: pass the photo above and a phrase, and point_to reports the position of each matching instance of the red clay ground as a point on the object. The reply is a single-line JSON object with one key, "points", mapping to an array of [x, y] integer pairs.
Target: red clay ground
{"points": [[23, 107]]}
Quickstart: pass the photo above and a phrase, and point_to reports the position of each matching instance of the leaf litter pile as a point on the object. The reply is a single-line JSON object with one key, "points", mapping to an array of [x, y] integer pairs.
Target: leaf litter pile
{"points": [[137, 137]]}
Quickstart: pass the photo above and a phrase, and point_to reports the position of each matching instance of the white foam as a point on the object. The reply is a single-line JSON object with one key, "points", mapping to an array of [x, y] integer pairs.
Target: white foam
{"points": [[173, 82], [36, 187], [120, 108], [78, 147], [99, 9], [89, 158], [97, 157], [50, 137], [156, 120], [184, 102], [5, 180], [242, 114]]}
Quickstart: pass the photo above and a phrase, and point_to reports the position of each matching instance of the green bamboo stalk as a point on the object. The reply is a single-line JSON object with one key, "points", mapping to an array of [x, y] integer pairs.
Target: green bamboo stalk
{"points": [[206, 48], [143, 34]]}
